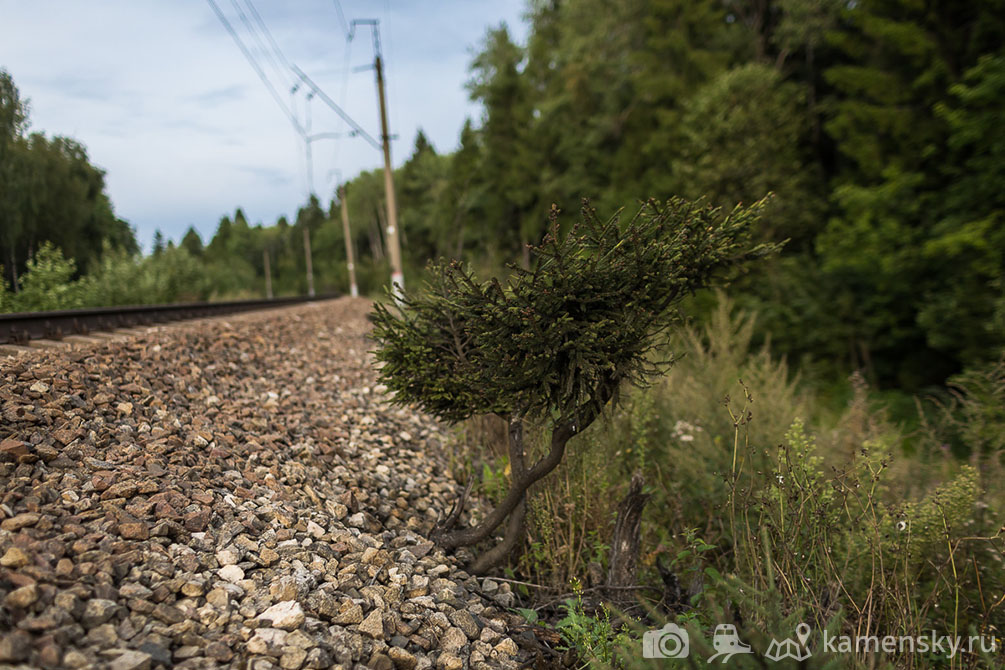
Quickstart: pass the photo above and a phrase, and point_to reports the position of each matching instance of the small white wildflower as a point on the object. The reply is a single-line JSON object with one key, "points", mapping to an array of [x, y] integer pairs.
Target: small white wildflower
{"points": [[901, 525], [687, 438], [781, 479]]}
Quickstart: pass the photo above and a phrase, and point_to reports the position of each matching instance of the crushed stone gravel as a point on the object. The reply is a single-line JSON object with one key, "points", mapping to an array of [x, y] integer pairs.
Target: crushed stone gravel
{"points": [[233, 493]]}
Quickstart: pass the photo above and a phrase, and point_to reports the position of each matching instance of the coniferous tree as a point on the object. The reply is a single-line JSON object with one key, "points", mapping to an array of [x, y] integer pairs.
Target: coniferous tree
{"points": [[554, 344], [192, 242], [505, 159], [898, 64], [457, 207]]}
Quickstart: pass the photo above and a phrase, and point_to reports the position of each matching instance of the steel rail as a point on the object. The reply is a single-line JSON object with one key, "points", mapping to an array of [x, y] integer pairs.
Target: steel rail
{"points": [[20, 328]]}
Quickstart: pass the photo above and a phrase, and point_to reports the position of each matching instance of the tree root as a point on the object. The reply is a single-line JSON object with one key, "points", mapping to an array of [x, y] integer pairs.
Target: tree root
{"points": [[497, 554], [513, 505]]}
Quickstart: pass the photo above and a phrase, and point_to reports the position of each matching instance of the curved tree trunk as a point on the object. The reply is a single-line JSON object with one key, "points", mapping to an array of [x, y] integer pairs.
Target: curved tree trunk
{"points": [[497, 554], [522, 478], [520, 481]]}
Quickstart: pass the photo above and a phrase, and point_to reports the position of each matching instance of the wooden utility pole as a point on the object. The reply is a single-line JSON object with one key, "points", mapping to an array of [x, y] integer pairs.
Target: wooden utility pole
{"points": [[306, 132], [307, 255], [394, 248], [350, 264], [268, 274]]}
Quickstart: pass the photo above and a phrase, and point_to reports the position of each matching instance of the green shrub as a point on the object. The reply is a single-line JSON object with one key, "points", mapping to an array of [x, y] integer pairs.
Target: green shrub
{"points": [[555, 344], [48, 283], [592, 636], [974, 419], [233, 279], [172, 275], [118, 278], [114, 280]]}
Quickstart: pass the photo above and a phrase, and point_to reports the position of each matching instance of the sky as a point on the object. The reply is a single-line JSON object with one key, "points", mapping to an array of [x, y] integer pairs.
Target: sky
{"points": [[164, 101]]}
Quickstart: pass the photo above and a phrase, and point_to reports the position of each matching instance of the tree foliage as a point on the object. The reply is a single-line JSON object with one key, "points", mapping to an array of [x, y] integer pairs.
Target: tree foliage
{"points": [[50, 192], [743, 134], [867, 120], [588, 313], [555, 343]]}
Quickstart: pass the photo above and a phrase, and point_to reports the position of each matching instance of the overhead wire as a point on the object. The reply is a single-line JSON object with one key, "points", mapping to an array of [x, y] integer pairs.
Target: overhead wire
{"points": [[267, 32], [282, 66], [288, 71], [344, 93], [301, 137], [254, 64], [359, 130], [260, 43], [341, 18], [263, 28], [346, 59]]}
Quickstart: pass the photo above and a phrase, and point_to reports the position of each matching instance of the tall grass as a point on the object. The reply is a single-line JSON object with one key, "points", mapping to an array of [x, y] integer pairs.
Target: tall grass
{"points": [[767, 508]]}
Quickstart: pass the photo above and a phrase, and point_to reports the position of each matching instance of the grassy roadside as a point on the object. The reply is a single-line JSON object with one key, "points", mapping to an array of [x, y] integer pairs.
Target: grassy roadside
{"points": [[769, 507]]}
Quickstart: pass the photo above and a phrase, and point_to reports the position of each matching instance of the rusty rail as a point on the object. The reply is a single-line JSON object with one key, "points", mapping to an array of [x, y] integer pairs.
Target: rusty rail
{"points": [[19, 328]]}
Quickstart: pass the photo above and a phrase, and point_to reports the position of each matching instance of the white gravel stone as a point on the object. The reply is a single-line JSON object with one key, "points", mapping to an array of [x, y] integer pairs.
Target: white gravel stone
{"points": [[228, 556], [266, 640], [231, 573], [286, 615]]}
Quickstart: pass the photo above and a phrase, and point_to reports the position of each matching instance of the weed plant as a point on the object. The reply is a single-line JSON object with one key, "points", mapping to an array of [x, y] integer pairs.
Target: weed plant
{"points": [[768, 510]]}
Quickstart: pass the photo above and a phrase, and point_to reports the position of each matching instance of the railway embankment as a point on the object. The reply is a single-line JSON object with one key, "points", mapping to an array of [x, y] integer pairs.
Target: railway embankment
{"points": [[230, 493]]}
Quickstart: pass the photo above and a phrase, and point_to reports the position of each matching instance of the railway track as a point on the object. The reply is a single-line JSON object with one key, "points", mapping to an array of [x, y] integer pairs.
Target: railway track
{"points": [[20, 328]]}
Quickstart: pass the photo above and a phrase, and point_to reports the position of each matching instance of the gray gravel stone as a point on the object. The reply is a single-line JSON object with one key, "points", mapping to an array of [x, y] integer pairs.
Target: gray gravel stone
{"points": [[467, 622], [98, 611], [195, 477], [131, 660], [373, 625]]}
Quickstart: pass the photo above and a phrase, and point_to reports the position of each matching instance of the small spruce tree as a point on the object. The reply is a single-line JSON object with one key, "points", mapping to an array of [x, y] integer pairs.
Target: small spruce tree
{"points": [[557, 342]]}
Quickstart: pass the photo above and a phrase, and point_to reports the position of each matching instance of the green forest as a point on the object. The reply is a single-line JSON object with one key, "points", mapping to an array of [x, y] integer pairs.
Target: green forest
{"points": [[872, 342]]}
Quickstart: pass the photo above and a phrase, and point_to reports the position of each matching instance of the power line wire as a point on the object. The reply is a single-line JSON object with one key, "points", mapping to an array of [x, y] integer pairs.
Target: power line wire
{"points": [[345, 73], [341, 18], [279, 53], [268, 34], [254, 64], [260, 43], [357, 129], [338, 110]]}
